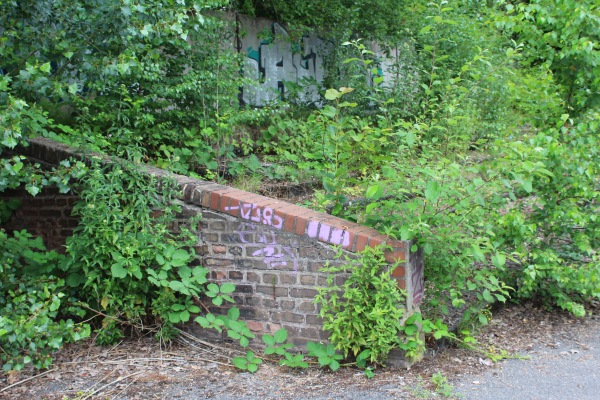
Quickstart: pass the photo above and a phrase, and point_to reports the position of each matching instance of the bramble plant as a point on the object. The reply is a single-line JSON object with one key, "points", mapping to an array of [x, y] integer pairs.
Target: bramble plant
{"points": [[123, 259], [325, 354]]}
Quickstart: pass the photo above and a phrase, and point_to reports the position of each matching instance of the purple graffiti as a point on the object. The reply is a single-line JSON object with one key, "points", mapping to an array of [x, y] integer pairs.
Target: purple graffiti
{"points": [[326, 233], [273, 255], [254, 213]]}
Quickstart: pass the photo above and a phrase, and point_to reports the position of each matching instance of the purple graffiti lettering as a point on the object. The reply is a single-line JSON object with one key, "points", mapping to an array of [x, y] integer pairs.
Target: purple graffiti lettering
{"points": [[273, 255], [313, 229], [254, 213], [340, 237], [324, 232]]}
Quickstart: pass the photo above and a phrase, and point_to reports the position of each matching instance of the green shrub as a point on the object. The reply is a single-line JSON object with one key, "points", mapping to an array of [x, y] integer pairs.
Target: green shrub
{"points": [[32, 325], [365, 312], [124, 259]]}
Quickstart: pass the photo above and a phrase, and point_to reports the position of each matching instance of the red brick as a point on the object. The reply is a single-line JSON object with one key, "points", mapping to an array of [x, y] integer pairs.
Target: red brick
{"points": [[224, 203], [397, 245], [219, 249], [394, 257], [377, 240], [361, 242], [218, 275], [255, 326], [401, 283], [214, 200], [234, 207], [399, 272], [273, 327], [289, 221], [247, 197], [301, 223]]}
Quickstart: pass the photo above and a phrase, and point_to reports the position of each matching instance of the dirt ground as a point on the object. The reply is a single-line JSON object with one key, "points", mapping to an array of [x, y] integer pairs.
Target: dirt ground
{"points": [[191, 369]]}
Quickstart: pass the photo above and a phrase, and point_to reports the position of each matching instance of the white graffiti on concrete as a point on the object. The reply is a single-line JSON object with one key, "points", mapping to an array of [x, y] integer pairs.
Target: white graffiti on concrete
{"points": [[275, 61]]}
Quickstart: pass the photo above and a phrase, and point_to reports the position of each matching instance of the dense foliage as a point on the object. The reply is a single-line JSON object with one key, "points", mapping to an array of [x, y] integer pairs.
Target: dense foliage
{"points": [[484, 151]]}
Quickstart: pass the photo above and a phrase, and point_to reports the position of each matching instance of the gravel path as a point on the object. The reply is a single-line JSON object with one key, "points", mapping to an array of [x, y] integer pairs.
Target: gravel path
{"points": [[566, 367]]}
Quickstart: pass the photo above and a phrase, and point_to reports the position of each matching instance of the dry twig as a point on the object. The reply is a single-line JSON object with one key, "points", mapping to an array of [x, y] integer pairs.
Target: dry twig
{"points": [[27, 380]]}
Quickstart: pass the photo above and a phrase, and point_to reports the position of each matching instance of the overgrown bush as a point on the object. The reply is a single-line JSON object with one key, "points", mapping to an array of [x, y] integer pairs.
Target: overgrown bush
{"points": [[32, 304], [124, 260], [365, 312]]}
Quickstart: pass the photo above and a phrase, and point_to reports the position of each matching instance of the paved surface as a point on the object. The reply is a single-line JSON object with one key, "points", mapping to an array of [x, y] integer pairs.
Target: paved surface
{"points": [[568, 368]]}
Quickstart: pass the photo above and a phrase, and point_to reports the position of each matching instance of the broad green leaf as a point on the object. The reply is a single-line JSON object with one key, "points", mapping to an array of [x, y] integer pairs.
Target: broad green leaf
{"points": [[425, 29], [177, 286], [281, 335], [268, 340], [240, 362], [374, 192], [45, 67], [488, 296], [213, 287], [118, 271], [227, 288], [332, 94], [329, 111]]}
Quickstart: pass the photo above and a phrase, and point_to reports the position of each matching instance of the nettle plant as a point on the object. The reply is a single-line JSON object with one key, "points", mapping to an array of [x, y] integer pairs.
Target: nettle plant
{"points": [[125, 260]]}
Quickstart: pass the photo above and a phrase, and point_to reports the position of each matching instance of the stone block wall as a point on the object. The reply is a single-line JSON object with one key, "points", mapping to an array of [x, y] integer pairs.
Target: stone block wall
{"points": [[272, 250]]}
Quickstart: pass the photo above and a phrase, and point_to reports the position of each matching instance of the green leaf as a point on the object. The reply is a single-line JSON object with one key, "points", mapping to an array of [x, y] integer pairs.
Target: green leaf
{"points": [[332, 94], [174, 317], [483, 319], [179, 258], [425, 29], [269, 341], [410, 330], [227, 288], [45, 67], [281, 335], [374, 192], [432, 191], [177, 286], [334, 365], [488, 296], [217, 301], [233, 313], [329, 111], [118, 271], [240, 362]]}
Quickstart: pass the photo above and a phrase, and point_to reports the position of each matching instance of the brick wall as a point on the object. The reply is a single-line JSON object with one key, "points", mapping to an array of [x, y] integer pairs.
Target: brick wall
{"points": [[47, 215], [272, 250]]}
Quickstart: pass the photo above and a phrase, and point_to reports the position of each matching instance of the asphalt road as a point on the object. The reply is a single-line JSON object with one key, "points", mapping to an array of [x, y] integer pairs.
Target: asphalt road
{"points": [[566, 368]]}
